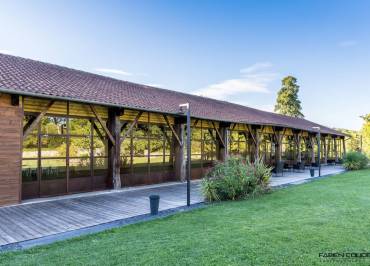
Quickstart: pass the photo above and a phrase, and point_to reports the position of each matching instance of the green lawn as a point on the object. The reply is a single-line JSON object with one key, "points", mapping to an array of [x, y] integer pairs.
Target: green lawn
{"points": [[287, 227]]}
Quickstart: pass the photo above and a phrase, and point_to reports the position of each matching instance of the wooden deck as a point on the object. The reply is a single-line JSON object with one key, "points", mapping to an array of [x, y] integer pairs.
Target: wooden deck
{"points": [[47, 217], [38, 219]]}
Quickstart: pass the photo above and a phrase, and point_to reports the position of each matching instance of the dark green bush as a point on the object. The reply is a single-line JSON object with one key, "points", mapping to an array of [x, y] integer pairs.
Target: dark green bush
{"points": [[235, 179], [355, 160]]}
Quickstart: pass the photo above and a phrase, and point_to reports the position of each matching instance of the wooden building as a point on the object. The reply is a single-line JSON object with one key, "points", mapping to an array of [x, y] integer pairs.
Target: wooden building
{"points": [[67, 131]]}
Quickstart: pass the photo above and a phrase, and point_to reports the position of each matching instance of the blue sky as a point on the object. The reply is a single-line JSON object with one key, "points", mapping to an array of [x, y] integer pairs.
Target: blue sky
{"points": [[231, 50]]}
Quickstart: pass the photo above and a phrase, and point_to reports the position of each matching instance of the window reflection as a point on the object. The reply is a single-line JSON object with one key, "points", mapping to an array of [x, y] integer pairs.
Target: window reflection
{"points": [[29, 170], [53, 169], [54, 125], [79, 167]]}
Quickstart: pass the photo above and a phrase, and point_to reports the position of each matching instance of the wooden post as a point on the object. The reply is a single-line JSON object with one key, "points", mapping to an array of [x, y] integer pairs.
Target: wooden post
{"points": [[336, 150], [278, 135], [324, 150], [223, 142], [114, 157], [312, 142], [344, 147], [250, 147], [254, 138], [297, 139], [178, 150]]}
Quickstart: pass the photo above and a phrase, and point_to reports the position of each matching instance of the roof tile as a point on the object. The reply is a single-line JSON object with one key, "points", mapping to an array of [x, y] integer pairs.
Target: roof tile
{"points": [[26, 76]]}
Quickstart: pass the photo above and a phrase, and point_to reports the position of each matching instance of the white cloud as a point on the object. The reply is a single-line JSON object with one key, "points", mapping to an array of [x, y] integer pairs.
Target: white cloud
{"points": [[255, 78], [6, 52], [157, 85], [348, 43], [256, 67], [113, 71]]}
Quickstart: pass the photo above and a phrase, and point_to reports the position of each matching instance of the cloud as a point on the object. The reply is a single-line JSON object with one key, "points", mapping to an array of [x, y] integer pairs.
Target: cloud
{"points": [[156, 85], [6, 52], [252, 79], [256, 67], [347, 43], [113, 71]]}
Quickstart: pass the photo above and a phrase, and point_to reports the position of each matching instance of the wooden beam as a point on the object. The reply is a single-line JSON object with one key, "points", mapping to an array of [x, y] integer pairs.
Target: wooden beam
{"points": [[31, 126], [213, 137], [132, 125], [173, 130], [100, 135], [278, 138], [104, 126], [124, 125], [218, 134], [297, 137], [165, 134], [249, 127]]}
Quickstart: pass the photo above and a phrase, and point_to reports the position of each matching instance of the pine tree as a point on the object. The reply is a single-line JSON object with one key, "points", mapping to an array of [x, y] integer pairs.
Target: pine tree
{"points": [[287, 102]]}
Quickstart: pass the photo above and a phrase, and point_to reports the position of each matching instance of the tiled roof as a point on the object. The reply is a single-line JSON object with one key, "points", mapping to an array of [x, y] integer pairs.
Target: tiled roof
{"points": [[30, 77]]}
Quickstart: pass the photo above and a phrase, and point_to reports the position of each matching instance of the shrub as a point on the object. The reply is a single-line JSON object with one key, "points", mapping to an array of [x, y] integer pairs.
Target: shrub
{"points": [[355, 161], [235, 179]]}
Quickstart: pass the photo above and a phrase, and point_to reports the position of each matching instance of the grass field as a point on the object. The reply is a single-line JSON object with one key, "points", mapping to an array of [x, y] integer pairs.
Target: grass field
{"points": [[286, 227]]}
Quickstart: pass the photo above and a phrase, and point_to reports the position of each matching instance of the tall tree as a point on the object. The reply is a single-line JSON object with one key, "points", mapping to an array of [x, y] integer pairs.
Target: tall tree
{"points": [[287, 102], [365, 131]]}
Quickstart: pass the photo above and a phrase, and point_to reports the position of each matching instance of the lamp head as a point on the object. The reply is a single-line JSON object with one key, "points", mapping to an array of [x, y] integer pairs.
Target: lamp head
{"points": [[183, 107]]}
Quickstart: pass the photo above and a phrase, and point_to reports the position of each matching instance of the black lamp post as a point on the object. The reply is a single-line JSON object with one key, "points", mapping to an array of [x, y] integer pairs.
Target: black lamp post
{"points": [[188, 150], [318, 147]]}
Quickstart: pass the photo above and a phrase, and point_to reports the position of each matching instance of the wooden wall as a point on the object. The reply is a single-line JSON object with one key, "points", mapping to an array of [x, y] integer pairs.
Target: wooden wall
{"points": [[10, 151]]}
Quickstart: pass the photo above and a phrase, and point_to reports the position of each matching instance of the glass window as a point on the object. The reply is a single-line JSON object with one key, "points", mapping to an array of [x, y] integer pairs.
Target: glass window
{"points": [[125, 161], [208, 151], [53, 169], [140, 147], [29, 170], [140, 164], [79, 167], [196, 147], [30, 147], [167, 148], [100, 166], [196, 134], [156, 147], [79, 146], [53, 146], [54, 125], [139, 160], [156, 159], [100, 147], [78, 126], [141, 131], [126, 147], [155, 132]]}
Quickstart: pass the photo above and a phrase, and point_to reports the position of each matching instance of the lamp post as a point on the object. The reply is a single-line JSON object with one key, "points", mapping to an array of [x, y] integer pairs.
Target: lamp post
{"points": [[188, 149], [318, 147]]}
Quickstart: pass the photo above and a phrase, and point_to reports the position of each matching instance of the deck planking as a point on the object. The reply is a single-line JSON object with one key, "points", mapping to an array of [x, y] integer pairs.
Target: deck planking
{"points": [[34, 220]]}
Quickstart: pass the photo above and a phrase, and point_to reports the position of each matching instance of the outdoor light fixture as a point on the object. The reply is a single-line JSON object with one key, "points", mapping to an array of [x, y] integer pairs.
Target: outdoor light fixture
{"points": [[185, 107], [318, 147]]}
